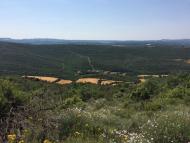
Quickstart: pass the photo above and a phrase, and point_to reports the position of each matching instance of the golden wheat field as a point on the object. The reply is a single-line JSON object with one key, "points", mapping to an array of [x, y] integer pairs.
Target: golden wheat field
{"points": [[81, 80], [108, 82], [43, 78], [88, 80], [63, 82]]}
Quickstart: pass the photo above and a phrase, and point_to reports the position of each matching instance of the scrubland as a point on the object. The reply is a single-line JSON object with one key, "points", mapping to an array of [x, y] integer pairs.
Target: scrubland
{"points": [[154, 111]]}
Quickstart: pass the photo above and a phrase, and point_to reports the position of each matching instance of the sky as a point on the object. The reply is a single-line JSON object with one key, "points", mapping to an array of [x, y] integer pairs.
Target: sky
{"points": [[95, 19]]}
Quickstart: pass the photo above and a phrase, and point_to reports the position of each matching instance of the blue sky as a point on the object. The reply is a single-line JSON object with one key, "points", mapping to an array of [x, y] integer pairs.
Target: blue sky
{"points": [[95, 19]]}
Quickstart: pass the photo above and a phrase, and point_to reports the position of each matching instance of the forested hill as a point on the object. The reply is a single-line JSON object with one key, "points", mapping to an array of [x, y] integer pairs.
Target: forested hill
{"points": [[67, 60]]}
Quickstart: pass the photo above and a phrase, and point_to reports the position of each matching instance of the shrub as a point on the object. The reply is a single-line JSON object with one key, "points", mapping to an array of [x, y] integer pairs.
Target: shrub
{"points": [[145, 90], [168, 127]]}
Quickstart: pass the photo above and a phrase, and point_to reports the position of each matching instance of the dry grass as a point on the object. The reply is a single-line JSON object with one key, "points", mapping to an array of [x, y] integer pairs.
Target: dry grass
{"points": [[178, 60], [81, 80], [43, 78], [97, 80], [142, 80], [143, 76], [88, 80], [187, 61], [108, 82], [63, 82]]}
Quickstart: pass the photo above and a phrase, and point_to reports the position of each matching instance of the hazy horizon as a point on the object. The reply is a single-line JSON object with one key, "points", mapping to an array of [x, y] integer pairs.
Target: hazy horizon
{"points": [[95, 19], [52, 38]]}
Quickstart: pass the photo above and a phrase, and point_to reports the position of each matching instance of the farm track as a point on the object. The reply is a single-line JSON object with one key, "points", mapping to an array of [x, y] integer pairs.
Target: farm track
{"points": [[90, 63], [86, 57]]}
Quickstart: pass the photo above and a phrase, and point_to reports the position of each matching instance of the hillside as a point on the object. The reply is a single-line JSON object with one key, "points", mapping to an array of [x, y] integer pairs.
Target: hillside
{"points": [[66, 60], [156, 111]]}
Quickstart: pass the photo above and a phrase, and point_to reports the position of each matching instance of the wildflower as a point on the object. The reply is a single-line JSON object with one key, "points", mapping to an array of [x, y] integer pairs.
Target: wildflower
{"points": [[47, 141], [26, 131], [86, 125], [79, 115], [30, 118], [11, 138], [77, 133], [125, 138], [40, 119], [21, 141], [103, 135]]}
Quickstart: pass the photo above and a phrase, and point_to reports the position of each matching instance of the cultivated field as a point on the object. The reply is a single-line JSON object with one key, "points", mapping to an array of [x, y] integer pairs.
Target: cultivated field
{"points": [[43, 78], [63, 82], [88, 80], [81, 80]]}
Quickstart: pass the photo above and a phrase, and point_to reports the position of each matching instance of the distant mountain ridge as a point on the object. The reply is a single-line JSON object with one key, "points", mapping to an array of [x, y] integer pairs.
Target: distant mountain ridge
{"points": [[49, 41]]}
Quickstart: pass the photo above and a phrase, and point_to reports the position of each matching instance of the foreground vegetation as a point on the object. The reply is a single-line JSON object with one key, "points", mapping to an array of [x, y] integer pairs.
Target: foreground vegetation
{"points": [[156, 111]]}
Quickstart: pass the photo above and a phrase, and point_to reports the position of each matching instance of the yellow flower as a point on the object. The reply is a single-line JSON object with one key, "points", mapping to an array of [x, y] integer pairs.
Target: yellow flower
{"points": [[125, 138], [11, 138], [26, 131], [47, 141], [21, 141]]}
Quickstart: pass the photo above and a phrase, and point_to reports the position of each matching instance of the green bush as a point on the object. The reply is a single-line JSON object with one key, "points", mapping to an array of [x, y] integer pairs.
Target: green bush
{"points": [[10, 96], [145, 91]]}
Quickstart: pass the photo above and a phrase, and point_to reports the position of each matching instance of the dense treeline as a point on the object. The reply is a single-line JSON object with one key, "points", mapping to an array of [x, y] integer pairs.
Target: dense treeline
{"points": [[154, 111]]}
